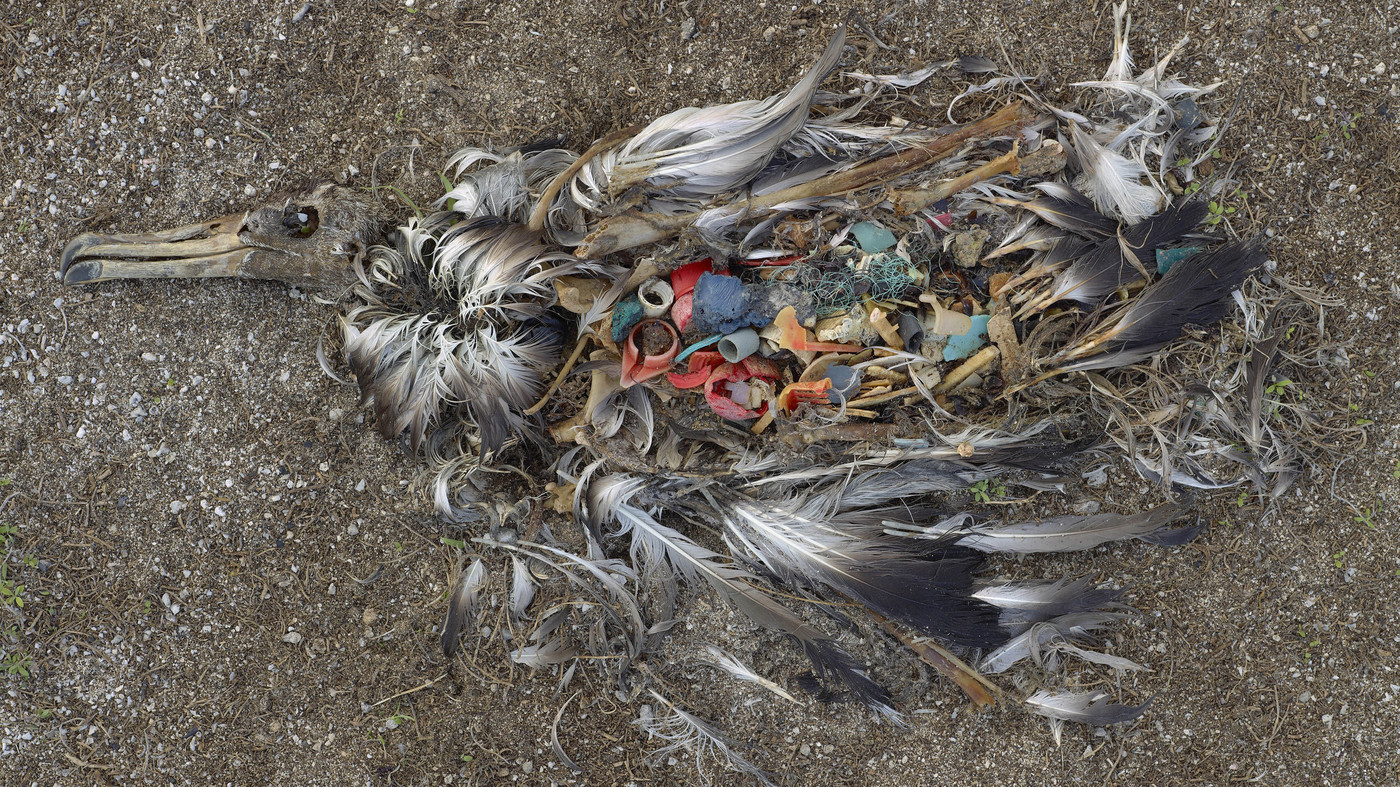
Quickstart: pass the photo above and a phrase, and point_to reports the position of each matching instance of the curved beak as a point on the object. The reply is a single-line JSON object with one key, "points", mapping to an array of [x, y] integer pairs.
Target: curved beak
{"points": [[207, 249]]}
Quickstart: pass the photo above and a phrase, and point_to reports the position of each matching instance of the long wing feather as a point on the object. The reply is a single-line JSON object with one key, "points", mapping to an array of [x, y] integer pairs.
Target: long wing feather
{"points": [[1114, 262], [652, 540], [929, 590], [701, 152], [1194, 292], [1057, 534]]}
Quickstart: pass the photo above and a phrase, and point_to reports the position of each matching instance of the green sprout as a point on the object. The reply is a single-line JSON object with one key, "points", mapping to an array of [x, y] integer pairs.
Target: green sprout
{"points": [[16, 664], [1367, 517], [986, 490]]}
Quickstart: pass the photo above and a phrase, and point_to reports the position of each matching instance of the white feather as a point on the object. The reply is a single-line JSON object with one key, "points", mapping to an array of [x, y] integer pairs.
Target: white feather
{"points": [[1113, 181]]}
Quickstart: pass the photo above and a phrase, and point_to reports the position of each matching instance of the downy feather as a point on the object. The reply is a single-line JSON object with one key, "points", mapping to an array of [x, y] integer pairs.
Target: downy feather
{"points": [[461, 608], [1113, 181]]}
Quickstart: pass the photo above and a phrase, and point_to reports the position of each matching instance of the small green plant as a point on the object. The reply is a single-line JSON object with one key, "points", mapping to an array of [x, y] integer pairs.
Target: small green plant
{"points": [[16, 663], [1367, 517], [460, 544], [1242, 499], [1308, 643], [11, 593], [398, 117], [23, 227], [1339, 558], [7, 533], [1348, 128], [1395, 472], [1277, 387], [1219, 211], [987, 490]]}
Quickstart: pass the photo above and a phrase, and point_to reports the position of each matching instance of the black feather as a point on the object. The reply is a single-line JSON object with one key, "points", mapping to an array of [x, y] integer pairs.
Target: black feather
{"points": [[1117, 261], [1066, 208], [1194, 292]]}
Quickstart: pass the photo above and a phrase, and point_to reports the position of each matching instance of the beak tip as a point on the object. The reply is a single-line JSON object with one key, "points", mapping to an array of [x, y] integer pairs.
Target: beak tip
{"points": [[74, 248], [82, 272]]}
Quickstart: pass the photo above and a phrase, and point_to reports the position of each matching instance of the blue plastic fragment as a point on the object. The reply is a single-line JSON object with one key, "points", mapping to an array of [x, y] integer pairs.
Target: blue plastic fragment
{"points": [[960, 347], [722, 305], [1166, 258], [700, 345], [627, 313], [845, 383], [871, 237]]}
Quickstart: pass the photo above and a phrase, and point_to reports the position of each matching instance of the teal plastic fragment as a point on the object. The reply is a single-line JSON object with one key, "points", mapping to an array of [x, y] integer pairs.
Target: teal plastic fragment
{"points": [[1166, 258], [871, 237], [700, 345], [627, 313], [959, 347]]}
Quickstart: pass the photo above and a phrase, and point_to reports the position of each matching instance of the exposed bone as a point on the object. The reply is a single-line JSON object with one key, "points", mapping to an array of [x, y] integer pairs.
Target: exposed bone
{"points": [[969, 367], [635, 228], [914, 200]]}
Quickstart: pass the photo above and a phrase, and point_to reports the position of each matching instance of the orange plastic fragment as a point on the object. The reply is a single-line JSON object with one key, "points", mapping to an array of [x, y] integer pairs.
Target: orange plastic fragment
{"points": [[797, 394], [794, 336]]}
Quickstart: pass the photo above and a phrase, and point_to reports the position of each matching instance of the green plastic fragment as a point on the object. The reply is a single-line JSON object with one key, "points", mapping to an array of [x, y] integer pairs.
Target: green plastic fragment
{"points": [[871, 237], [960, 347], [1166, 258]]}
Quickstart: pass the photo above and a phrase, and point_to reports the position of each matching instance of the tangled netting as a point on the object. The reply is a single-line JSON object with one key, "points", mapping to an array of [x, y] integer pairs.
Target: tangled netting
{"points": [[881, 277]]}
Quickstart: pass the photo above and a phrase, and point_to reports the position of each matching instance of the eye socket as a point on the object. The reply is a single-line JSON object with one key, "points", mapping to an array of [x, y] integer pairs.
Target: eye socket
{"points": [[303, 222]]}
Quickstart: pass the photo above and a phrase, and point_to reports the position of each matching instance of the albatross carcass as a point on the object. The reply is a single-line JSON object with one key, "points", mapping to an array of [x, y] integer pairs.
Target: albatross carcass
{"points": [[797, 345]]}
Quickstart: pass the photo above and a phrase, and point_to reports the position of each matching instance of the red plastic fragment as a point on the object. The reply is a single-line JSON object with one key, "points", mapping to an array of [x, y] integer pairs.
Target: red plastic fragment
{"points": [[637, 368], [709, 369], [683, 279]]}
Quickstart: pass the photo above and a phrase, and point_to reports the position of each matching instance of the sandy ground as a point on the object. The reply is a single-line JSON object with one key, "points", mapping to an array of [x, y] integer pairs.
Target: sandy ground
{"points": [[227, 577]]}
